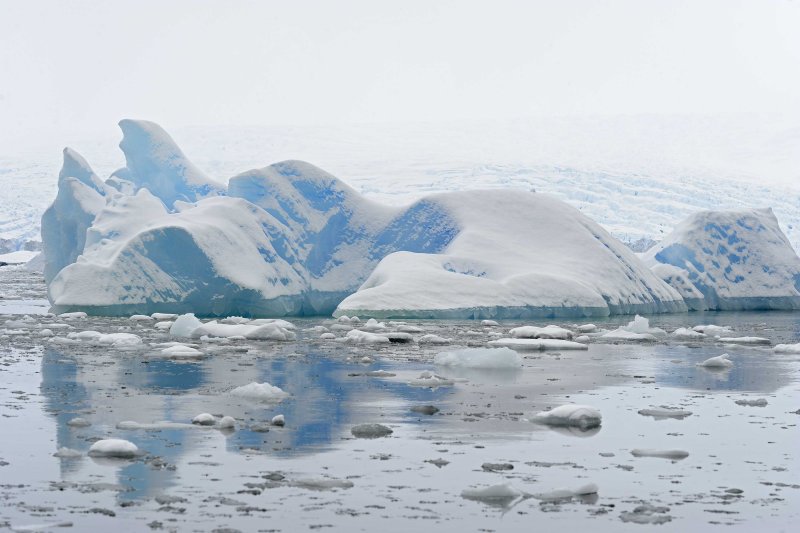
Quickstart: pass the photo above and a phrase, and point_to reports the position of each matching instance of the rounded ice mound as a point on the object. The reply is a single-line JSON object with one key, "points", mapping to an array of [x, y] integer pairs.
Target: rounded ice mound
{"points": [[718, 362], [370, 431], [582, 416], [117, 448], [184, 325], [480, 358], [204, 419], [262, 392]]}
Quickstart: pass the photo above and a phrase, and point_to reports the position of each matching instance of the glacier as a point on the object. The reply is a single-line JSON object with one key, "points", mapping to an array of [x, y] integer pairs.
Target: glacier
{"points": [[290, 239], [730, 261]]}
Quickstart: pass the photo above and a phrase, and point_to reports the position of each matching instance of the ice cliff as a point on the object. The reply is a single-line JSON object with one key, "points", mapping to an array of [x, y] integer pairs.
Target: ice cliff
{"points": [[291, 239], [730, 260]]}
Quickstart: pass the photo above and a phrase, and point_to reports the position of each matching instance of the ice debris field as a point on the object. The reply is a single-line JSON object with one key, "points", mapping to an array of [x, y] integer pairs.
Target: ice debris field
{"points": [[289, 239], [174, 422]]}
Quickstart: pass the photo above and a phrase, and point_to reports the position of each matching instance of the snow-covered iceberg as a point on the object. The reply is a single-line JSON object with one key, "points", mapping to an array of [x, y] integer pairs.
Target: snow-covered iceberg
{"points": [[730, 260], [514, 255], [290, 239]]}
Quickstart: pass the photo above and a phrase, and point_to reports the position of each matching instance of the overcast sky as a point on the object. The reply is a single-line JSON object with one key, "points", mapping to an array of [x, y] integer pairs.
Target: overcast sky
{"points": [[83, 65]]}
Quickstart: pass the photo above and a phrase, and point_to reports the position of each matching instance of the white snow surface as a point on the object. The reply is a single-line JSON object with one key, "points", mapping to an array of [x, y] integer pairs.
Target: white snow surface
{"points": [[738, 260], [495, 358]]}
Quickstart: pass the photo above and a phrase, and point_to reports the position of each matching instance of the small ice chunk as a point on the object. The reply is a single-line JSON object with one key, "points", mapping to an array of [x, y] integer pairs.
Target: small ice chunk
{"points": [[184, 325], [77, 315], [322, 484], [370, 431], [714, 331], [583, 339], [567, 494], [547, 332], [429, 379], [689, 334], [662, 413], [407, 328], [327, 336], [163, 316], [67, 453], [675, 455], [480, 358], [181, 351], [744, 340], [204, 419], [489, 323], [141, 318], [720, 361], [278, 420], [263, 392], [164, 326], [499, 494], [538, 344], [79, 422], [227, 422], [636, 330], [46, 333], [356, 336], [114, 448], [373, 325], [787, 348], [587, 328], [582, 416], [433, 339], [760, 402]]}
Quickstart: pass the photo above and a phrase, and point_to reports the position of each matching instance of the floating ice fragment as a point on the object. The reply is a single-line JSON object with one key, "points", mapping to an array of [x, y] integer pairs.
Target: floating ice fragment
{"points": [[502, 494], [547, 332], [204, 419], [278, 420], [538, 344], [744, 340], [581, 416], [77, 315], [720, 361], [114, 448], [760, 402], [184, 325], [67, 453], [356, 336], [227, 422], [787, 348], [141, 318], [675, 455], [370, 431], [433, 339], [686, 333], [489, 323], [180, 351], [429, 379], [263, 392], [665, 413], [480, 358]]}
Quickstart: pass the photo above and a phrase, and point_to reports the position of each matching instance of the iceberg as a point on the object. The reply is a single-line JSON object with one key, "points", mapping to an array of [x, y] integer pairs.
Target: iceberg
{"points": [[289, 239], [730, 260]]}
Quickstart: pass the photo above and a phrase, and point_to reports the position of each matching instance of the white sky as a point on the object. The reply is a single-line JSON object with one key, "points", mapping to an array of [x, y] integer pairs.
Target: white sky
{"points": [[80, 66]]}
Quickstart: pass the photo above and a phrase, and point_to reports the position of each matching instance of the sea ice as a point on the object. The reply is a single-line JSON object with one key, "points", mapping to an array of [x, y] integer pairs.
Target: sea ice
{"points": [[581, 416], [184, 325], [720, 361], [547, 332], [263, 392], [114, 448], [538, 344], [480, 358], [674, 455]]}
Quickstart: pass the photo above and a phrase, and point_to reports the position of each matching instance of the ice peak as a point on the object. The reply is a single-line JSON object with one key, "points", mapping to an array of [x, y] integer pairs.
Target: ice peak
{"points": [[155, 162]]}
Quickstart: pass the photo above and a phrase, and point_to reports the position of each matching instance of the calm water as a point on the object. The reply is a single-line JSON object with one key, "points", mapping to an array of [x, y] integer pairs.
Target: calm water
{"points": [[741, 472]]}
